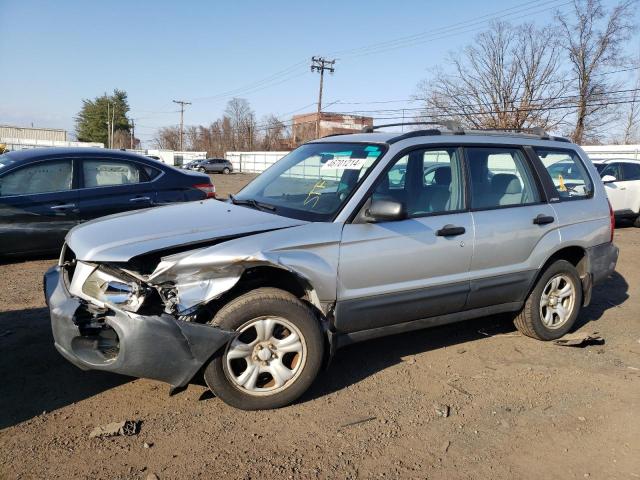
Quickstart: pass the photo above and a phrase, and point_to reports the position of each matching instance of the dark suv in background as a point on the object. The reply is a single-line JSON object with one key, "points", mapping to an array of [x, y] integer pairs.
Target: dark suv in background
{"points": [[213, 165], [45, 192]]}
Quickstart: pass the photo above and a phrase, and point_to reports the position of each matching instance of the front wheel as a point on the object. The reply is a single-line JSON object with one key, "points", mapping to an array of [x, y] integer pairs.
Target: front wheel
{"points": [[226, 171], [201, 170], [274, 358], [553, 305]]}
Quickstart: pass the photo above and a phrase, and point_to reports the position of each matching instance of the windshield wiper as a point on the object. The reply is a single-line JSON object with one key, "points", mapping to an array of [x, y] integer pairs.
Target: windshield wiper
{"points": [[252, 203]]}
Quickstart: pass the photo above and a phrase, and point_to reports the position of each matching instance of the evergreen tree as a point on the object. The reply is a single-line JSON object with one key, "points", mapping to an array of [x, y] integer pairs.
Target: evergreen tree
{"points": [[92, 120]]}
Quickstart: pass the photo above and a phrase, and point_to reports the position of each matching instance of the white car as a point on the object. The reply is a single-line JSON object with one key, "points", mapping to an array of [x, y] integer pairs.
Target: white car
{"points": [[621, 178]]}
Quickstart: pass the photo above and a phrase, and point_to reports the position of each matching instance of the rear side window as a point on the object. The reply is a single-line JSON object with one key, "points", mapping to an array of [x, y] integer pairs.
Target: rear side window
{"points": [[43, 177], [101, 173], [569, 175], [500, 177], [631, 171]]}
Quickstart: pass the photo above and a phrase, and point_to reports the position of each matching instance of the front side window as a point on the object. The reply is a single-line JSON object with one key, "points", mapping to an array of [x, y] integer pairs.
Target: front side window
{"points": [[568, 173], [431, 182], [101, 173], [42, 177], [613, 170], [313, 182], [500, 177]]}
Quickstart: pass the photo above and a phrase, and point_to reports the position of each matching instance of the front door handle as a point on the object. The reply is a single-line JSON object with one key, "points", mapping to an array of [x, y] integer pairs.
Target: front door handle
{"points": [[64, 206], [543, 219], [450, 231], [140, 199]]}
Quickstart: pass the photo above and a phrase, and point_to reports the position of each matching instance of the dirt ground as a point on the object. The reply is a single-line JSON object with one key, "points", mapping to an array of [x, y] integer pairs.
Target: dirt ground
{"points": [[519, 408]]}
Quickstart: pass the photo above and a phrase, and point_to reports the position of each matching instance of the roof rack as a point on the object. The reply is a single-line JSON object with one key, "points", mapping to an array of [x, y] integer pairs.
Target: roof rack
{"points": [[448, 124], [457, 129]]}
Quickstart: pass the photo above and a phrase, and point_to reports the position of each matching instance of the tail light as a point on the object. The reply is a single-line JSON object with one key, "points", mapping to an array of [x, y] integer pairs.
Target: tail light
{"points": [[612, 220], [208, 188]]}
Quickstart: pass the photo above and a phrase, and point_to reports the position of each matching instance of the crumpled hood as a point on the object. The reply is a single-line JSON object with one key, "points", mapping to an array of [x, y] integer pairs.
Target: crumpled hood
{"points": [[118, 238]]}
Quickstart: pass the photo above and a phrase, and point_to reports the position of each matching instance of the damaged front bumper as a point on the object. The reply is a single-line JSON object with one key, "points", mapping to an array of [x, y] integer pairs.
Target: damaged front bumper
{"points": [[148, 346]]}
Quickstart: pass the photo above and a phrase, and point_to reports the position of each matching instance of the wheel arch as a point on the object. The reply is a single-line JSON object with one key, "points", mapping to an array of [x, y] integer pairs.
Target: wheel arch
{"points": [[577, 256]]}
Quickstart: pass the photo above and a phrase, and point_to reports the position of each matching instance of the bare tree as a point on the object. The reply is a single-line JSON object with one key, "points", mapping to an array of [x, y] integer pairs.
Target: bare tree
{"points": [[631, 128], [594, 38], [168, 138], [275, 133], [243, 123], [508, 78]]}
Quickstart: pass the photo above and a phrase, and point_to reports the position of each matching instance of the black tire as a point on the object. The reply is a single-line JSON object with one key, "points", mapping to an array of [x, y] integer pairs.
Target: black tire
{"points": [[202, 170], [529, 321], [226, 171], [636, 222], [253, 305]]}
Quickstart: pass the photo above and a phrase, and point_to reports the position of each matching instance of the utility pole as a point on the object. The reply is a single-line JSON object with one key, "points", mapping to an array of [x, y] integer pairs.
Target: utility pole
{"points": [[108, 125], [182, 103], [320, 64], [133, 132]]}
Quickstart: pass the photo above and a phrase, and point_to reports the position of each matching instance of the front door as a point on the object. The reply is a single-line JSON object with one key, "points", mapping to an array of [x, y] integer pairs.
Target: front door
{"points": [[617, 190], [415, 268], [38, 206]]}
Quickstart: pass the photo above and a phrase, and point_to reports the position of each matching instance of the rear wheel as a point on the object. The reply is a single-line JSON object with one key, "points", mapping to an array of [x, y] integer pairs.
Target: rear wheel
{"points": [[636, 222], [553, 305], [274, 358], [226, 171]]}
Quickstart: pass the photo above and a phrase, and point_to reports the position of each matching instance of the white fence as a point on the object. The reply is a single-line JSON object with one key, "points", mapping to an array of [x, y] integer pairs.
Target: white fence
{"points": [[253, 162], [613, 151]]}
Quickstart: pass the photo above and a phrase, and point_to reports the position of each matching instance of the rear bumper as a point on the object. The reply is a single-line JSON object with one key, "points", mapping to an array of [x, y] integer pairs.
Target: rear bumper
{"points": [[156, 346], [602, 261]]}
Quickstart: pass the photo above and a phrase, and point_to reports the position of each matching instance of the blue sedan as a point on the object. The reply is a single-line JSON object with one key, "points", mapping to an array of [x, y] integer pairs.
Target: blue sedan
{"points": [[45, 192]]}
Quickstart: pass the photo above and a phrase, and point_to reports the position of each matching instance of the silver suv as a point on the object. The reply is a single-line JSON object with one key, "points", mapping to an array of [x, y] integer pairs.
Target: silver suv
{"points": [[345, 239]]}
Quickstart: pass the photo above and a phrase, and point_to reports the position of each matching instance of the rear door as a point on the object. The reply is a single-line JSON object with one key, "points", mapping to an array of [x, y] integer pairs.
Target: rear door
{"points": [[631, 180], [38, 206], [397, 271], [110, 185], [511, 219]]}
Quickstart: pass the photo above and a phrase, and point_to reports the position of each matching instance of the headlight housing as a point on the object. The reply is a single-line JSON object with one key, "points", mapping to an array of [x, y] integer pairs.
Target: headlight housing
{"points": [[113, 289]]}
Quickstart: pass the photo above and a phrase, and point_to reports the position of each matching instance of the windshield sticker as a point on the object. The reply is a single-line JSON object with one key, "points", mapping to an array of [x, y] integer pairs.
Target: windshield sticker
{"points": [[344, 163], [314, 194]]}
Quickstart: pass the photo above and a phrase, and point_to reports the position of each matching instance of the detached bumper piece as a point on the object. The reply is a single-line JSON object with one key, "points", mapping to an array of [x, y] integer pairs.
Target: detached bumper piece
{"points": [[158, 346], [602, 261]]}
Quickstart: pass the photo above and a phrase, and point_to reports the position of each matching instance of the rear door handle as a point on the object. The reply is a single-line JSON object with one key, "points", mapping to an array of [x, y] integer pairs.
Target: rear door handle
{"points": [[450, 231], [140, 199], [543, 219], [64, 206]]}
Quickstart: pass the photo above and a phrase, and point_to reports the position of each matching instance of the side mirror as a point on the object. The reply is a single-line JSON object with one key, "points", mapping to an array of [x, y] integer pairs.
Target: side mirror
{"points": [[609, 179], [386, 211]]}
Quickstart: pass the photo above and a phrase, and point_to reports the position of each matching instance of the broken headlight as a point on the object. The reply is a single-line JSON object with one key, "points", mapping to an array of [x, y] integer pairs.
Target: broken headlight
{"points": [[110, 289]]}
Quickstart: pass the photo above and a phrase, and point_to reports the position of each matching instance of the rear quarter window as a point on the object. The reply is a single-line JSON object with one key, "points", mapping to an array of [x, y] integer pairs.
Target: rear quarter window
{"points": [[569, 175]]}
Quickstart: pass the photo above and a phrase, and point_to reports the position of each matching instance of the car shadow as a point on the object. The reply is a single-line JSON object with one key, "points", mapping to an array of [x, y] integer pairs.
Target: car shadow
{"points": [[35, 377], [610, 294], [359, 361]]}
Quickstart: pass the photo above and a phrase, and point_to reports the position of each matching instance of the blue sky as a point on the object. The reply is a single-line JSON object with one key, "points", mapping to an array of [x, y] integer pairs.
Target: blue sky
{"points": [[54, 54]]}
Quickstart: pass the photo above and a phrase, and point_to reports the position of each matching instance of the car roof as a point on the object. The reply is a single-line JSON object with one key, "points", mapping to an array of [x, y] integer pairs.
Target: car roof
{"points": [[437, 136], [605, 160], [19, 157]]}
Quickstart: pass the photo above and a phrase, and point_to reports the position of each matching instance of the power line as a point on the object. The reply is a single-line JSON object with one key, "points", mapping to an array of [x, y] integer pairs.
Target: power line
{"points": [[182, 103]]}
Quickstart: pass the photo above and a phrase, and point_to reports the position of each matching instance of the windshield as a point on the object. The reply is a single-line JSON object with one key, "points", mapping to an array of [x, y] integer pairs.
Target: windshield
{"points": [[314, 181]]}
